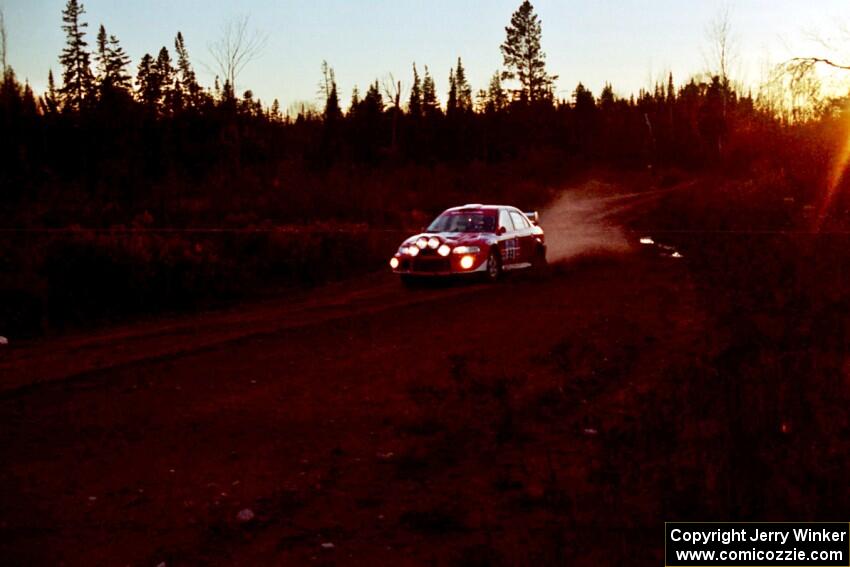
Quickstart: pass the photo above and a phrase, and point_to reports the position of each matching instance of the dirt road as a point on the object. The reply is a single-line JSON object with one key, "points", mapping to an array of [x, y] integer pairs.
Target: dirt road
{"points": [[519, 423]]}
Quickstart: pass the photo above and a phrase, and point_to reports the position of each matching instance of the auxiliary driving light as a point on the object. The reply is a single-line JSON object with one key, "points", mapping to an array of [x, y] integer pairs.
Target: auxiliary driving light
{"points": [[393, 263], [466, 262], [413, 251], [433, 243], [444, 250], [422, 242]]}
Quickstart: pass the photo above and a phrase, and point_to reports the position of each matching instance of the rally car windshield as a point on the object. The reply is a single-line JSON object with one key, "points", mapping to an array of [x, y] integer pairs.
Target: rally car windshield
{"points": [[464, 221]]}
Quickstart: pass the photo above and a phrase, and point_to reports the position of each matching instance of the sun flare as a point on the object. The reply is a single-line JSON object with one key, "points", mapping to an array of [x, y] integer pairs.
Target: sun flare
{"points": [[836, 172]]}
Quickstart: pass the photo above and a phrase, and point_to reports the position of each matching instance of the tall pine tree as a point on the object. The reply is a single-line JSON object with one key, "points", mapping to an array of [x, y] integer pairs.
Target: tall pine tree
{"points": [[430, 103], [414, 105], [451, 102], [373, 102], [77, 80], [333, 112], [464, 89], [671, 89], [354, 106], [497, 99], [148, 84], [112, 64], [188, 89], [50, 100], [274, 112], [523, 56], [607, 98], [168, 103]]}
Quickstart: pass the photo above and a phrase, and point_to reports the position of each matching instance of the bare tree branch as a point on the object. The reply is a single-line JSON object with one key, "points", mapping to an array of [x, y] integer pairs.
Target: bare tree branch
{"points": [[794, 90], [2, 42], [327, 82], [304, 108], [236, 48], [800, 72], [722, 45], [392, 89], [814, 61], [801, 78]]}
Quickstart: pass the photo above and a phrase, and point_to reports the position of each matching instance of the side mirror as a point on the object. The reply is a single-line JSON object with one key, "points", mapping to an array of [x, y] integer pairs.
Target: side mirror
{"points": [[502, 230]]}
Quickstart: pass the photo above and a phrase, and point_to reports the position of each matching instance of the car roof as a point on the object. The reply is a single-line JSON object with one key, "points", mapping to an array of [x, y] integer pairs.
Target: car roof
{"points": [[479, 207]]}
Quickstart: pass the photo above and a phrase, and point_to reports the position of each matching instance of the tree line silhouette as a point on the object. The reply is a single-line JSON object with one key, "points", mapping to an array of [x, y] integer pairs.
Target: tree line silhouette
{"points": [[112, 134]]}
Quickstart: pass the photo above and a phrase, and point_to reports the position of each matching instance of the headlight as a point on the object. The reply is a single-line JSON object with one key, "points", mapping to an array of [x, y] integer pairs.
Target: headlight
{"points": [[433, 243], [466, 262], [444, 250], [413, 251], [467, 250], [422, 242], [393, 263]]}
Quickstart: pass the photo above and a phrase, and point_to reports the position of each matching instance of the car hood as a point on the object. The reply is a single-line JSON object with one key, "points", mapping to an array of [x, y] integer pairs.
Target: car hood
{"points": [[455, 238]]}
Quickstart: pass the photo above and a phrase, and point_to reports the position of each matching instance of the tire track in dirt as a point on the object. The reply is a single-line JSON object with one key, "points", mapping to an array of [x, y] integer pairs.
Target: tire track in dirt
{"points": [[75, 357]]}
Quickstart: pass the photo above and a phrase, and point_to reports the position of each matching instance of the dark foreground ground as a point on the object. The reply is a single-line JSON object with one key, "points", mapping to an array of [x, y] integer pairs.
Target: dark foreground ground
{"points": [[538, 421]]}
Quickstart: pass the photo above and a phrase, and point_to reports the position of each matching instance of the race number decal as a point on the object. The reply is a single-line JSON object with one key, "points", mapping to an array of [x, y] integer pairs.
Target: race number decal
{"points": [[512, 249]]}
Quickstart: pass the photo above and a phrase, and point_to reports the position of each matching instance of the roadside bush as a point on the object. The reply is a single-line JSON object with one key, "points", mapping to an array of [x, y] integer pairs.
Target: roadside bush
{"points": [[83, 277]]}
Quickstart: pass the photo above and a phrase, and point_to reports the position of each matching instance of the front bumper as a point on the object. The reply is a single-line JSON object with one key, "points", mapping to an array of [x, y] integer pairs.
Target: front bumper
{"points": [[435, 266]]}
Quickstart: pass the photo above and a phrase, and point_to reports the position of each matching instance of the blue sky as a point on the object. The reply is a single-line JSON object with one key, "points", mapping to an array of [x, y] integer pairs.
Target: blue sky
{"points": [[628, 42]]}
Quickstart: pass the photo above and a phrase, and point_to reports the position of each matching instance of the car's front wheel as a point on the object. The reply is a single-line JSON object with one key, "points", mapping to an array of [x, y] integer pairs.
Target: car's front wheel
{"points": [[494, 265]]}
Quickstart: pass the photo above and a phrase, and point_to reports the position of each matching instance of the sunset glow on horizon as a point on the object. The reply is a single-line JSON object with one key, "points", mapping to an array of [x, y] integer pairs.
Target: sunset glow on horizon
{"points": [[625, 43]]}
